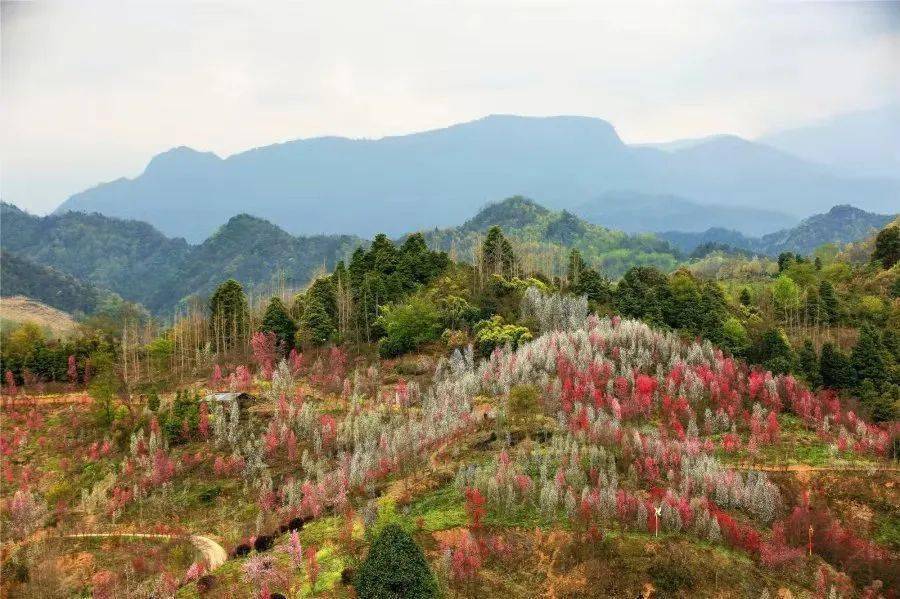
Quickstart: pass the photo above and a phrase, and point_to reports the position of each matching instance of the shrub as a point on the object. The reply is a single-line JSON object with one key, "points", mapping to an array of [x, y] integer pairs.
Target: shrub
{"points": [[493, 333], [395, 567], [669, 576], [408, 325]]}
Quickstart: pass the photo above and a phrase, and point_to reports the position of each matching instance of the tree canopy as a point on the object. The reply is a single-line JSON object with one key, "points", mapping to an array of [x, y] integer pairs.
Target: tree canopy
{"points": [[395, 568]]}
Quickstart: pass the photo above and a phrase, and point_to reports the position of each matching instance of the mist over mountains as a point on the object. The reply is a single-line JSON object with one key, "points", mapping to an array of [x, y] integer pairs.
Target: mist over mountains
{"points": [[863, 143], [440, 177]]}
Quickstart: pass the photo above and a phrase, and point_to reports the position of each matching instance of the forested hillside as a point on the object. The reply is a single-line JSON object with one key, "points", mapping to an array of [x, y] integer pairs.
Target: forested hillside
{"points": [[841, 224], [19, 276], [543, 239], [143, 265], [128, 257]]}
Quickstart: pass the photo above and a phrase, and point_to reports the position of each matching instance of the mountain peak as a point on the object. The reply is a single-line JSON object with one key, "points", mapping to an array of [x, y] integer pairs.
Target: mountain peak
{"points": [[844, 210], [578, 127], [181, 158], [515, 212]]}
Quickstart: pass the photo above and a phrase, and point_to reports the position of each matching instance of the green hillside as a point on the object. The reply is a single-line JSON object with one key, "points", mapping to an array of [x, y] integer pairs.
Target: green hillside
{"points": [[546, 237], [143, 265], [19, 276]]}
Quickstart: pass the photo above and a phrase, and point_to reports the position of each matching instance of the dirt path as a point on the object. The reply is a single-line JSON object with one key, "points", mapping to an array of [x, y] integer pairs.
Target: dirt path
{"points": [[213, 553], [45, 400], [803, 468]]}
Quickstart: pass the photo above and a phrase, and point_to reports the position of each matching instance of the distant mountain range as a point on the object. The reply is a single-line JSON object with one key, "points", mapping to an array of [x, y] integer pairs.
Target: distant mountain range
{"points": [[440, 177], [635, 212], [859, 143], [841, 224]]}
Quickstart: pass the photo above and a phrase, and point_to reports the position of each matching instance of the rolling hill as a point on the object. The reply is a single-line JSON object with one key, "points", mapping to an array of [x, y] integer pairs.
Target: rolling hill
{"points": [[19, 309], [439, 177], [22, 277], [842, 224], [546, 236], [143, 265]]}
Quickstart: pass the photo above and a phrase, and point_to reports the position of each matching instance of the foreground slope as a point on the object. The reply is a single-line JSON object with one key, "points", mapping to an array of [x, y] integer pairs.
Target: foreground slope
{"points": [[536, 470]]}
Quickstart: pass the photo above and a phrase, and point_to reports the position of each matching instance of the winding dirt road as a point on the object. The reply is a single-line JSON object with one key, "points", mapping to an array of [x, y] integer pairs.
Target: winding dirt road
{"points": [[805, 468], [214, 554]]}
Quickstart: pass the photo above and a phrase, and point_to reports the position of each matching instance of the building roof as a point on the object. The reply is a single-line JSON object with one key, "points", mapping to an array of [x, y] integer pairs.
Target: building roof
{"points": [[233, 396]]}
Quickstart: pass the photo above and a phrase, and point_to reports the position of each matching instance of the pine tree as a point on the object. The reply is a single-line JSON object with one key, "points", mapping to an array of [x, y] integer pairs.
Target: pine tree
{"points": [[641, 293], [277, 320], [834, 368], [497, 254], [773, 352], [229, 315], [576, 266], [744, 297], [316, 324], [829, 303], [881, 405], [395, 568], [786, 260], [887, 246], [867, 358], [808, 363]]}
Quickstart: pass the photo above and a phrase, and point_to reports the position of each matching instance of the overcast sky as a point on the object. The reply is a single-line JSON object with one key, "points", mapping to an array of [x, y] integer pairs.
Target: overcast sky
{"points": [[92, 90]]}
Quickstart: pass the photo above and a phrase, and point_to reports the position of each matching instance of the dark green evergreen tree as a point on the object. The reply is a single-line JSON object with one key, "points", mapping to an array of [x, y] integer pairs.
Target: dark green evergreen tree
{"points": [[786, 260], [641, 293], [418, 265], [744, 297], [277, 320], [395, 568], [497, 254], [834, 368], [228, 314], [583, 280], [773, 352], [887, 246], [318, 324], [867, 358], [808, 364], [881, 404], [575, 268], [812, 307], [828, 304]]}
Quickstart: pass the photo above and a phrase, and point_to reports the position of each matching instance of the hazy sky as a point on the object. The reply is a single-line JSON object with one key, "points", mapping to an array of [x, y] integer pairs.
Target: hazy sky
{"points": [[92, 90]]}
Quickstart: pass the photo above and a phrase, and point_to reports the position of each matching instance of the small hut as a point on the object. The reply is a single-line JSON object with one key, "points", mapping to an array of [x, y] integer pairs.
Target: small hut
{"points": [[244, 400]]}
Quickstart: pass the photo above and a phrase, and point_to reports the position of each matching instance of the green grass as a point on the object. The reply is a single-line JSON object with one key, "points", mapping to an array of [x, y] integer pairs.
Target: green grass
{"points": [[445, 508], [888, 531], [441, 509], [797, 446]]}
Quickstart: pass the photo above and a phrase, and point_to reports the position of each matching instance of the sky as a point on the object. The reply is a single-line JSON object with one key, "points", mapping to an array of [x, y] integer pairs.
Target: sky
{"points": [[91, 90]]}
